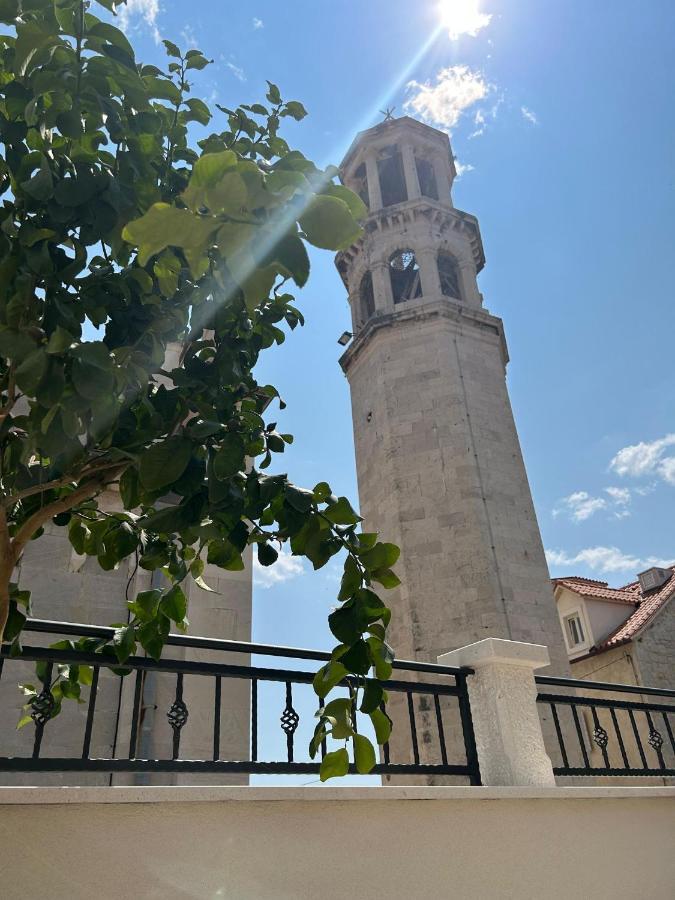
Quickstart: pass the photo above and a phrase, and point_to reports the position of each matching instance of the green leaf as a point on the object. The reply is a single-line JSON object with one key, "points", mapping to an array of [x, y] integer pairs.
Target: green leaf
{"points": [[146, 604], [86, 675], [356, 205], [167, 226], [299, 498], [124, 642], [357, 658], [267, 555], [196, 60], [386, 578], [382, 657], [230, 458], [327, 677], [273, 94], [351, 580], [59, 340], [334, 765], [163, 463], [329, 223], [364, 754], [373, 694], [341, 513], [199, 111], [381, 724], [345, 625], [207, 173], [92, 373], [382, 556], [295, 109], [130, 488], [167, 269], [171, 49], [291, 253], [41, 185], [31, 371], [174, 604]]}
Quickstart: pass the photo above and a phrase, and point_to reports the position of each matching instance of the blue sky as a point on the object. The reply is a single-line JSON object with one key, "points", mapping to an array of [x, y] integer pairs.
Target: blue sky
{"points": [[562, 120]]}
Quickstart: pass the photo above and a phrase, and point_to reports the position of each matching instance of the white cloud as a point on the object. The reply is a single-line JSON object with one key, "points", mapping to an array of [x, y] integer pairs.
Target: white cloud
{"points": [[257, 23], [188, 36], [136, 11], [580, 506], [604, 559], [529, 115], [462, 17], [621, 496], [479, 122], [442, 103], [285, 568], [461, 168], [646, 458], [237, 71]]}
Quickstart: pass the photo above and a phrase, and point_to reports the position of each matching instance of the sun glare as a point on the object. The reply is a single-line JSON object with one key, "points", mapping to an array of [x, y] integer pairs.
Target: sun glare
{"points": [[462, 17]]}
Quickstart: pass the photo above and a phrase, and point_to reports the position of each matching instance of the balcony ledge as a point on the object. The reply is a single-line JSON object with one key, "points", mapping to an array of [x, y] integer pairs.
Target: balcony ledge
{"points": [[29, 796]]}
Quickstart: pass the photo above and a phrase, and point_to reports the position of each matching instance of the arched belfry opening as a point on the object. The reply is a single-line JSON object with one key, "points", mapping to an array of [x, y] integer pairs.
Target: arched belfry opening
{"points": [[405, 276], [391, 176], [366, 298], [448, 274], [426, 176]]}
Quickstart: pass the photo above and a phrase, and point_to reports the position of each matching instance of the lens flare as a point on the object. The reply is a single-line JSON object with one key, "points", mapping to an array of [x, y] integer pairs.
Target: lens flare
{"points": [[462, 17]]}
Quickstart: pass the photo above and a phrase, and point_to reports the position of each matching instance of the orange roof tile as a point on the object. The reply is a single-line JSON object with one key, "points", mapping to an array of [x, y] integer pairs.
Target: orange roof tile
{"points": [[599, 590], [650, 604]]}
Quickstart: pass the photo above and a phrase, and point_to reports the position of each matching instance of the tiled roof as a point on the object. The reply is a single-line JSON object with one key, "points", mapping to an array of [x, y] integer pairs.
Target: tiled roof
{"points": [[649, 605], [646, 606], [599, 590]]}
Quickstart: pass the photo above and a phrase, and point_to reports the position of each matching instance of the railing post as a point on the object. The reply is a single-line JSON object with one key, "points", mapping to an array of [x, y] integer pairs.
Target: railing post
{"points": [[503, 697]]}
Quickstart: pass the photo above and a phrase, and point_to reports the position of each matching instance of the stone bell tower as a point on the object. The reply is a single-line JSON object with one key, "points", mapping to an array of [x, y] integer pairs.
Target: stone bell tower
{"points": [[440, 470]]}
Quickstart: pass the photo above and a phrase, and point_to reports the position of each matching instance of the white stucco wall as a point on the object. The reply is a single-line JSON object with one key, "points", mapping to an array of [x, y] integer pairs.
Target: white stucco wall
{"points": [[370, 843]]}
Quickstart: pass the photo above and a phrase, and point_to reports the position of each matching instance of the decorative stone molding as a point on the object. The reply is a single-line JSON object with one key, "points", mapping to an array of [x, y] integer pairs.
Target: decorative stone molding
{"points": [[503, 697]]}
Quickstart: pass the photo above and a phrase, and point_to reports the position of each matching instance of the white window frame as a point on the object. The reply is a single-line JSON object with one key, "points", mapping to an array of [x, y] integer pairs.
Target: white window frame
{"points": [[577, 616]]}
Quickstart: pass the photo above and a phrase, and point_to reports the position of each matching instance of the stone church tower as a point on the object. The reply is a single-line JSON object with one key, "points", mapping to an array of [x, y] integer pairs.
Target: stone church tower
{"points": [[440, 470]]}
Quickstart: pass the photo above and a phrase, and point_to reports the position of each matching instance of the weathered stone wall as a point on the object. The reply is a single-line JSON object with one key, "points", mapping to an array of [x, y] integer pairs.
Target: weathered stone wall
{"points": [[655, 650]]}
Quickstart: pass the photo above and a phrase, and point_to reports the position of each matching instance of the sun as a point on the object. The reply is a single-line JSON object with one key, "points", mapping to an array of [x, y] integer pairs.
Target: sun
{"points": [[462, 17]]}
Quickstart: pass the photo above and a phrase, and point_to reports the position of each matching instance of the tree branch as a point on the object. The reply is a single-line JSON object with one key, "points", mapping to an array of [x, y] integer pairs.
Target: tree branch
{"points": [[55, 483], [83, 492]]}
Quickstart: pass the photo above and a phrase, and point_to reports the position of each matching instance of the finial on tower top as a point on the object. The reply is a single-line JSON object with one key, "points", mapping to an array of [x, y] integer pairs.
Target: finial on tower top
{"points": [[388, 113]]}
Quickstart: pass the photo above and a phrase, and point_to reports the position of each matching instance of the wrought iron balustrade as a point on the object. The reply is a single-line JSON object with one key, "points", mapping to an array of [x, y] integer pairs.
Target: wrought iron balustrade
{"points": [[611, 733], [73, 745]]}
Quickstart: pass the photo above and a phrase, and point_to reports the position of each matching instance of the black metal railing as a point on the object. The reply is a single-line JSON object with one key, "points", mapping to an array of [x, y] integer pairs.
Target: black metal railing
{"points": [[177, 689], [599, 732]]}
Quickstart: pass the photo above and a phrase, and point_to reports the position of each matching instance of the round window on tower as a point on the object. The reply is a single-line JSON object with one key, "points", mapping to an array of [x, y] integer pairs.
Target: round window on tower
{"points": [[405, 276], [366, 298], [448, 273]]}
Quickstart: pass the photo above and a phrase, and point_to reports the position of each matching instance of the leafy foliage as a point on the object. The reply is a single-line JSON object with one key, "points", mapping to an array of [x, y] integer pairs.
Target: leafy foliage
{"points": [[115, 224]]}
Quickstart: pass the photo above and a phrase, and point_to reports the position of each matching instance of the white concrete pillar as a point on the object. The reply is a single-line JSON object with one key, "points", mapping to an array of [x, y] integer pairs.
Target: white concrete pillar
{"points": [[374, 191], [384, 299], [503, 697], [410, 171]]}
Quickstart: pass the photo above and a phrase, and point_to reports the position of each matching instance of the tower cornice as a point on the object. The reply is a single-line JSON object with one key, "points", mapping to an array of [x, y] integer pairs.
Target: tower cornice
{"points": [[443, 308]]}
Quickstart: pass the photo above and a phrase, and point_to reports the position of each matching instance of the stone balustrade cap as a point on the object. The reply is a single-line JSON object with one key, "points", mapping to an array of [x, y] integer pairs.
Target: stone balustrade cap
{"points": [[491, 651]]}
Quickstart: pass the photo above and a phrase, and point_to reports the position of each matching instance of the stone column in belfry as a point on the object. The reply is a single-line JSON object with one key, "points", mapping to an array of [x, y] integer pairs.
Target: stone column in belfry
{"points": [[440, 469]]}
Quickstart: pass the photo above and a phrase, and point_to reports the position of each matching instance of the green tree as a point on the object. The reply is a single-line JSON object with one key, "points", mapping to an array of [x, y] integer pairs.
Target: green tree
{"points": [[115, 228]]}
